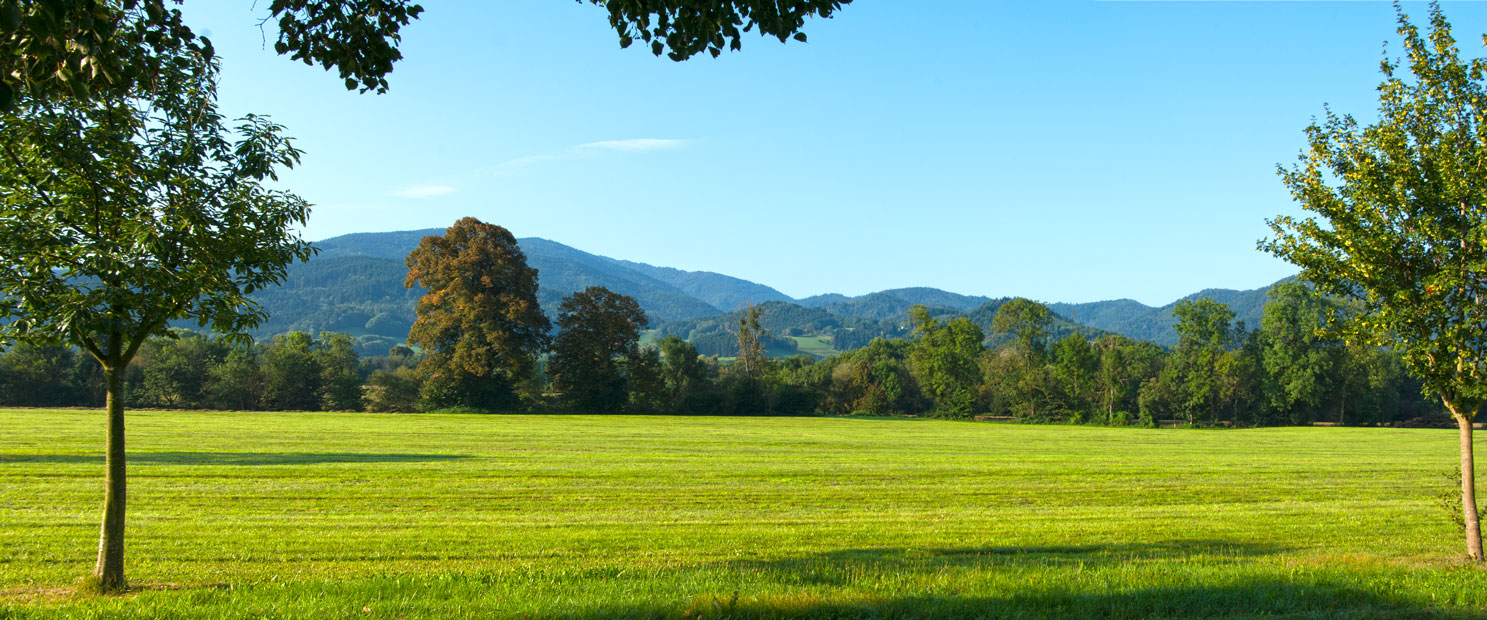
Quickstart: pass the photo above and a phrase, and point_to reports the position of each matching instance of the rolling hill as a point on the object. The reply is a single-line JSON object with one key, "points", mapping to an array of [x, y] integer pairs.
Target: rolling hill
{"points": [[355, 285]]}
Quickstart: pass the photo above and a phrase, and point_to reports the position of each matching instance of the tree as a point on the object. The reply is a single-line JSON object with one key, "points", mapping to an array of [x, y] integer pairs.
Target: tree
{"points": [[131, 210], [237, 383], [945, 361], [1399, 224], [1124, 365], [1203, 335], [479, 324], [600, 329], [340, 383], [394, 390], [683, 370], [291, 375], [36, 376], [174, 369], [1027, 321], [79, 47], [644, 381], [85, 48], [1298, 357], [1075, 365], [750, 346]]}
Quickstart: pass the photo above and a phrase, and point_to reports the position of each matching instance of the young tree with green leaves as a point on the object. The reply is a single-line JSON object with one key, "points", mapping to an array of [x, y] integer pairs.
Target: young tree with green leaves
{"points": [[599, 331], [479, 325], [1398, 223], [130, 210]]}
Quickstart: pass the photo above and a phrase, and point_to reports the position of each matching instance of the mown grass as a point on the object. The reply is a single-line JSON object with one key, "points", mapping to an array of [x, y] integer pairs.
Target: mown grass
{"points": [[325, 515]]}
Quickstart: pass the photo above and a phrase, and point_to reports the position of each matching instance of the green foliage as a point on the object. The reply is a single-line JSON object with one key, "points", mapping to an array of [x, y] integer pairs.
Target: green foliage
{"points": [[944, 361], [1297, 355], [683, 28], [1075, 364], [97, 48], [750, 360], [684, 373], [175, 371], [38, 376], [1400, 215], [395, 390], [138, 209], [291, 374], [646, 382], [340, 382], [1205, 335], [238, 382], [1027, 322], [599, 330]]}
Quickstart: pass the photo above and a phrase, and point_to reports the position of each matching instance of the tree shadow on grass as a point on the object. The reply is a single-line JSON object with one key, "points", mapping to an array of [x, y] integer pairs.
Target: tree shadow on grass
{"points": [[1119, 593], [828, 567], [1054, 554], [236, 458], [1258, 599], [1306, 596]]}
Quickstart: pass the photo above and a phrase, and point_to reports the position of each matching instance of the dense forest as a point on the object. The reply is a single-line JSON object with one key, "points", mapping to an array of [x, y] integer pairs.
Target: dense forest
{"points": [[1008, 358]]}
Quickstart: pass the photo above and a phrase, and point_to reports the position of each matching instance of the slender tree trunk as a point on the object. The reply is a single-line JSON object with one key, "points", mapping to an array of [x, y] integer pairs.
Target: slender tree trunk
{"points": [[110, 567], [1468, 481]]}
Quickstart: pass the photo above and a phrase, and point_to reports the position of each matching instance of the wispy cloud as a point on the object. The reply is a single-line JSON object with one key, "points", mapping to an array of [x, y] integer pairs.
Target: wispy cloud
{"points": [[587, 150], [424, 191], [633, 145]]}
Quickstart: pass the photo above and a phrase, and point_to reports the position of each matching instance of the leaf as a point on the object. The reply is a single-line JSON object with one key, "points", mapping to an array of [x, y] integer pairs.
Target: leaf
{"points": [[10, 16], [800, 36]]}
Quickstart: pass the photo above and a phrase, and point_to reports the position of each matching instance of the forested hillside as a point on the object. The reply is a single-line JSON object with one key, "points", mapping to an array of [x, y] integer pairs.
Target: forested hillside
{"points": [[1134, 319], [355, 285], [722, 292]]}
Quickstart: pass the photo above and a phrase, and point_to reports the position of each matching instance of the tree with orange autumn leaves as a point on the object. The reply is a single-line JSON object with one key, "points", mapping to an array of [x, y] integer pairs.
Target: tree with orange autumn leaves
{"points": [[479, 326]]}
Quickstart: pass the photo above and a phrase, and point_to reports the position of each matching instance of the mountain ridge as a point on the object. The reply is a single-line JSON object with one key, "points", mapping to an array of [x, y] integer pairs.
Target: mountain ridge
{"points": [[355, 284]]}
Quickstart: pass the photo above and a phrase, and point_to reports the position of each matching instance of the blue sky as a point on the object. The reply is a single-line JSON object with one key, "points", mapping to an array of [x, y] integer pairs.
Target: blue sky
{"points": [[1063, 150]]}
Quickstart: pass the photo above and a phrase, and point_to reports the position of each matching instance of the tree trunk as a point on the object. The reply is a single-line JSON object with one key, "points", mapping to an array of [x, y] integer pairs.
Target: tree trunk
{"points": [[1464, 417], [1469, 491], [110, 568]]}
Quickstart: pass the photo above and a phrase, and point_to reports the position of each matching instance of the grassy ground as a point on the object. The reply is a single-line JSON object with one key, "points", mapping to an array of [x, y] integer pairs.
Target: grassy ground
{"points": [[249, 515], [819, 346]]}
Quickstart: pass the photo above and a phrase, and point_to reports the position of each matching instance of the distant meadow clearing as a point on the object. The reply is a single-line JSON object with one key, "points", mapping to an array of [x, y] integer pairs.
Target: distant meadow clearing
{"points": [[327, 515]]}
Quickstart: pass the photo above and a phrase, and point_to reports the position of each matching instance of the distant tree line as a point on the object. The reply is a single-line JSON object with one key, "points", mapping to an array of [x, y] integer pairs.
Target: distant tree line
{"points": [[1286, 371]]}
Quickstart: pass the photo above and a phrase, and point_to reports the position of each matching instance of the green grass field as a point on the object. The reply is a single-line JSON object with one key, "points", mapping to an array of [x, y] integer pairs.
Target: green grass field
{"points": [[819, 346], [324, 515]]}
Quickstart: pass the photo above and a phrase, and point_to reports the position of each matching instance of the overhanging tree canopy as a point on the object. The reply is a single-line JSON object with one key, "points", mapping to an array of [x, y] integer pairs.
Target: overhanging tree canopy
{"points": [[76, 47]]}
